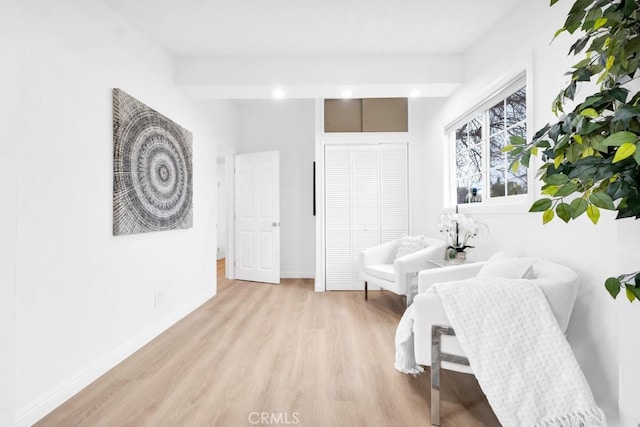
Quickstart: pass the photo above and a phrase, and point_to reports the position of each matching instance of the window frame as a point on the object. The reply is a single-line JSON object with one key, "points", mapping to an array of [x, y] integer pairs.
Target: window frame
{"points": [[505, 203]]}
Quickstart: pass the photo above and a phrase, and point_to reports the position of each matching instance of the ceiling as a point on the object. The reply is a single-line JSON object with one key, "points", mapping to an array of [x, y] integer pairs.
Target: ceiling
{"points": [[314, 27]]}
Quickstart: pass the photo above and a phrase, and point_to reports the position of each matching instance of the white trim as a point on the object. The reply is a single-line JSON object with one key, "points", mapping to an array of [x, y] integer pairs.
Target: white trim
{"points": [[499, 88], [39, 408], [363, 137], [506, 208], [229, 272], [495, 90], [320, 243], [230, 178]]}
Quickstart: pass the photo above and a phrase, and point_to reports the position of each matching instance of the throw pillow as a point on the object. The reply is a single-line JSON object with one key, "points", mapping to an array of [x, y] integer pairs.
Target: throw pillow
{"points": [[511, 268], [410, 244]]}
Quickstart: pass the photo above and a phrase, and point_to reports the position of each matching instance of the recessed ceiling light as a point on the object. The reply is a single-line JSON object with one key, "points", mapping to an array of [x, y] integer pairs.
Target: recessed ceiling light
{"points": [[414, 93], [279, 93], [347, 93]]}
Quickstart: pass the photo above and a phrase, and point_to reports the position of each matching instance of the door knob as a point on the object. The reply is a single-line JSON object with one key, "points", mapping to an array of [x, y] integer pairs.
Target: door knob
{"points": [[275, 224]]}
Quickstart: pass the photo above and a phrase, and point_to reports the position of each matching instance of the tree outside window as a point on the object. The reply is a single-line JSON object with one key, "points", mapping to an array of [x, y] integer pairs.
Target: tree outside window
{"points": [[482, 169]]}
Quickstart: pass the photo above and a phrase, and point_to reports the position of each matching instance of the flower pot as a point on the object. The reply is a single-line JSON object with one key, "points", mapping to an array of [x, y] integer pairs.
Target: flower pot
{"points": [[460, 257]]}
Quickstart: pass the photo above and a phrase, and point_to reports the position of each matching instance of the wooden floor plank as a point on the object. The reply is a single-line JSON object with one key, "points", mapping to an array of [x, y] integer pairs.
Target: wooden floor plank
{"points": [[321, 359]]}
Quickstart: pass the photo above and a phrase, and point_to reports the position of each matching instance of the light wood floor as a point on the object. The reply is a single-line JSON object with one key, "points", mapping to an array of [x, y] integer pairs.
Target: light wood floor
{"points": [[321, 359]]}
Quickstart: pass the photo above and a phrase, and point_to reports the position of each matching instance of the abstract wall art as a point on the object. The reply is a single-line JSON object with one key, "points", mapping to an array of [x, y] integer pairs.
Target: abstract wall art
{"points": [[152, 169]]}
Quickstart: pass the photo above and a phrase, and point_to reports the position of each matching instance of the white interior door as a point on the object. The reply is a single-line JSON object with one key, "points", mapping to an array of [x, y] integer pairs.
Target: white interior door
{"points": [[257, 223]]}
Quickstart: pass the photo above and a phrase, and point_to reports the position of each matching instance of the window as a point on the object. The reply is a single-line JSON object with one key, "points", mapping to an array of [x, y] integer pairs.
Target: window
{"points": [[482, 171]]}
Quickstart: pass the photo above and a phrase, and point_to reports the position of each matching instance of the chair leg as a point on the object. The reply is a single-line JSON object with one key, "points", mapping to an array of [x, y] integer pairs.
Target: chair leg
{"points": [[366, 289], [437, 356], [435, 377]]}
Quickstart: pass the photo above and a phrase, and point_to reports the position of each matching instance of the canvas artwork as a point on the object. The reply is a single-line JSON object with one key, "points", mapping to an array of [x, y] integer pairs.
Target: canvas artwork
{"points": [[152, 169]]}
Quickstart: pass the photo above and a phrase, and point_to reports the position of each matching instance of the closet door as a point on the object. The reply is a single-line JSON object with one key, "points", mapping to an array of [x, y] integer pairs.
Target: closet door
{"points": [[394, 192], [338, 224], [366, 205]]}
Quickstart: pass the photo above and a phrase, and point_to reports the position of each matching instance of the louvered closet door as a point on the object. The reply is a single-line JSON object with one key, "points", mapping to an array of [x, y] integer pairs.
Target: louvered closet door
{"points": [[394, 193], [338, 225], [366, 205]]}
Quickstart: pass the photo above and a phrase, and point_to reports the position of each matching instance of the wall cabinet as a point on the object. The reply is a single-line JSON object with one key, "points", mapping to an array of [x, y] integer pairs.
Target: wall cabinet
{"points": [[366, 203], [366, 115]]}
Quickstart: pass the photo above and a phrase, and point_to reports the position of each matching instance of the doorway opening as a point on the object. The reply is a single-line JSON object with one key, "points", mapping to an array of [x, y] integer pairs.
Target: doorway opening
{"points": [[222, 225]]}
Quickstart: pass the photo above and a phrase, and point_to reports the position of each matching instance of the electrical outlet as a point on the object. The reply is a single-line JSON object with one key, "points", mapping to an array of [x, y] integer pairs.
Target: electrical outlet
{"points": [[158, 299]]}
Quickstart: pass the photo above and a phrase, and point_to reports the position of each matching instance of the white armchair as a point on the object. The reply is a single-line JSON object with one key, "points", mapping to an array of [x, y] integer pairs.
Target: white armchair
{"points": [[435, 343], [380, 267]]}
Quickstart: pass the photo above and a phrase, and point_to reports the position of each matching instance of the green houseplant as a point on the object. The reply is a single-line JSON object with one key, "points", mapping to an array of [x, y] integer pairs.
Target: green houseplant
{"points": [[591, 155]]}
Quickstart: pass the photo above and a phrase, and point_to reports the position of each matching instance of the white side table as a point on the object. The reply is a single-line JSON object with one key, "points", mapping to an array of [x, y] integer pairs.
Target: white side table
{"points": [[446, 262]]}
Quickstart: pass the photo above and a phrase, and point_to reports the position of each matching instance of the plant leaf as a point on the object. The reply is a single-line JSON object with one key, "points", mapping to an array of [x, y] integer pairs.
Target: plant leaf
{"points": [[635, 290], [609, 62], [547, 216], [602, 200], [560, 30], [517, 140], [557, 160], [593, 213], [599, 23], [564, 212], [507, 148], [625, 150], [589, 112], [613, 285], [556, 179], [578, 207], [566, 189], [630, 295], [540, 205], [619, 138]]}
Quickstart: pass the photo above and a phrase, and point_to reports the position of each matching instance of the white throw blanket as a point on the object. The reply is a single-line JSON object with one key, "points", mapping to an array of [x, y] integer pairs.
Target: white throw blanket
{"points": [[518, 353], [405, 355]]}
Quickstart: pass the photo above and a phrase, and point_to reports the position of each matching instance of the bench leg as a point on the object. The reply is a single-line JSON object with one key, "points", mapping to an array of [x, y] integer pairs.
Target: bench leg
{"points": [[366, 289]]}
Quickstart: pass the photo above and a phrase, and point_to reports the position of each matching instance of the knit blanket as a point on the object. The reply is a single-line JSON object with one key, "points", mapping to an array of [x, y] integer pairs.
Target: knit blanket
{"points": [[405, 353], [518, 353]]}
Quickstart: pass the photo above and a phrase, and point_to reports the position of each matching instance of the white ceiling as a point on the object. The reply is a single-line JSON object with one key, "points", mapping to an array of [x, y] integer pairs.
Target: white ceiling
{"points": [[314, 27]]}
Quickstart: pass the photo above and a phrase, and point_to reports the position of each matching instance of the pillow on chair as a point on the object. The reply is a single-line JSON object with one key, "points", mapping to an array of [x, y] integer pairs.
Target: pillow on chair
{"points": [[511, 268], [410, 244]]}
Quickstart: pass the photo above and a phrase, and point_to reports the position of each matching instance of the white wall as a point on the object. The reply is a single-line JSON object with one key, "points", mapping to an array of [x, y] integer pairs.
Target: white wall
{"points": [[85, 299], [222, 116], [289, 127], [8, 226], [629, 261], [426, 165], [523, 38]]}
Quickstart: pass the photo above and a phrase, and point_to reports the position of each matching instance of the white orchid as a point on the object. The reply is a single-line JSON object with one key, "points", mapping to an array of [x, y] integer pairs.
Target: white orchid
{"points": [[458, 229]]}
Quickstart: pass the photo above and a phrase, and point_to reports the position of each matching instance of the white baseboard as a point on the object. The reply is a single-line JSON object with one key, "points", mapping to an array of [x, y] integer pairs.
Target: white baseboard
{"points": [[297, 274], [36, 410]]}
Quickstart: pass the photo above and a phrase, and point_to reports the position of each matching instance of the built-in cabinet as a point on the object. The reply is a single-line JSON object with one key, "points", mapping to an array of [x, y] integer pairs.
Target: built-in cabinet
{"points": [[366, 115], [366, 203]]}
